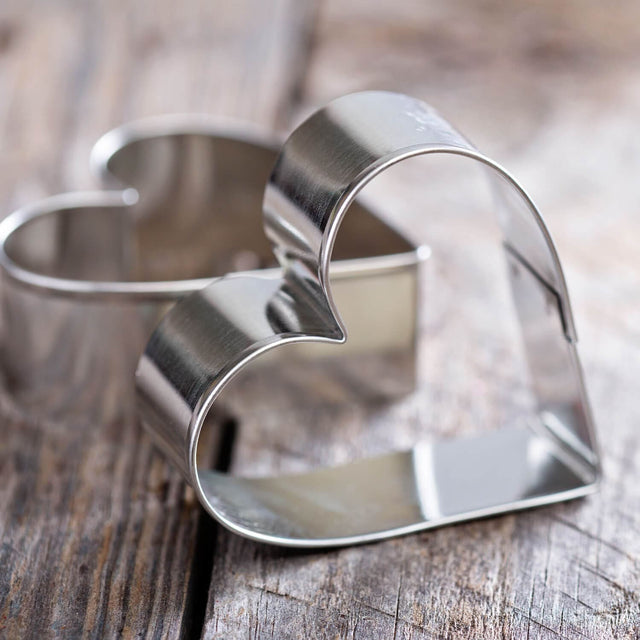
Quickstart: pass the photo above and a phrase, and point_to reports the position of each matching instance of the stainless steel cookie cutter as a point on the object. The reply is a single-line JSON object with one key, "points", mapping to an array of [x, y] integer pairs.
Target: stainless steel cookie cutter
{"points": [[205, 341], [87, 275]]}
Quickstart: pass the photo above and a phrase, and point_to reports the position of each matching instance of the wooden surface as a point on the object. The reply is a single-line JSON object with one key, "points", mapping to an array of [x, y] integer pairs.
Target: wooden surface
{"points": [[100, 538]]}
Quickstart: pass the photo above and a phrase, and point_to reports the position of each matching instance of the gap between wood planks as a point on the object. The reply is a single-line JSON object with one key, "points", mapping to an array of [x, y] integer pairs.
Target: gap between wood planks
{"points": [[202, 563]]}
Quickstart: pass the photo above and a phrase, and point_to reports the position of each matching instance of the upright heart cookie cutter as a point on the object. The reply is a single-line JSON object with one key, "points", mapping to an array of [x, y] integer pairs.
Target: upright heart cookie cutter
{"points": [[207, 339], [87, 275]]}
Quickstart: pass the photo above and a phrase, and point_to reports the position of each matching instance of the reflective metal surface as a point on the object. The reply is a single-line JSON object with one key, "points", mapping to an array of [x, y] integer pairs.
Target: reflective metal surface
{"points": [[207, 339], [86, 276]]}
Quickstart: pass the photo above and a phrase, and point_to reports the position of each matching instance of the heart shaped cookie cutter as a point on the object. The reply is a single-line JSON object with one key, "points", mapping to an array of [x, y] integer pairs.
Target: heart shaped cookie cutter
{"points": [[87, 275], [211, 336]]}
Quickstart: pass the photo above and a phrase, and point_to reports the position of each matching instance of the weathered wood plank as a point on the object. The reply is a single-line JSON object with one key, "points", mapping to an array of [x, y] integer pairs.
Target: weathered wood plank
{"points": [[549, 90], [98, 533]]}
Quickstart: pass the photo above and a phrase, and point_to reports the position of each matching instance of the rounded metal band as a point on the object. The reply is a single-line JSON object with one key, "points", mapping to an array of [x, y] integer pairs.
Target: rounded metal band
{"points": [[87, 275], [206, 340]]}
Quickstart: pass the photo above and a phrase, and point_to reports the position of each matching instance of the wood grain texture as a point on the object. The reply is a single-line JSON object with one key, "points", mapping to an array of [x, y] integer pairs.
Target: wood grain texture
{"points": [[98, 533], [551, 91]]}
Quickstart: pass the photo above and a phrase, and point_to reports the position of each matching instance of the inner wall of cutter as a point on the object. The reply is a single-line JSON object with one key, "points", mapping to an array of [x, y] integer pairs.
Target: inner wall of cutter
{"points": [[199, 215], [430, 485], [468, 376]]}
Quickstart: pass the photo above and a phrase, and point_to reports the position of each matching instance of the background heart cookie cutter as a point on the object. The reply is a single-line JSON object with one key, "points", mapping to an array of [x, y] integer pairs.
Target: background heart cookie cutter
{"points": [[211, 336], [87, 275]]}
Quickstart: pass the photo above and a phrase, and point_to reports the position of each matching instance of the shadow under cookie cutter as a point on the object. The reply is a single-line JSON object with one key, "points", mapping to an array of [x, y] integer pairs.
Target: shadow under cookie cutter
{"points": [[207, 339], [86, 276]]}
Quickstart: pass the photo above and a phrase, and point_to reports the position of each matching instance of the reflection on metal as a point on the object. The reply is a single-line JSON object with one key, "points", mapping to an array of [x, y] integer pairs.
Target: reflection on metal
{"points": [[203, 342]]}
